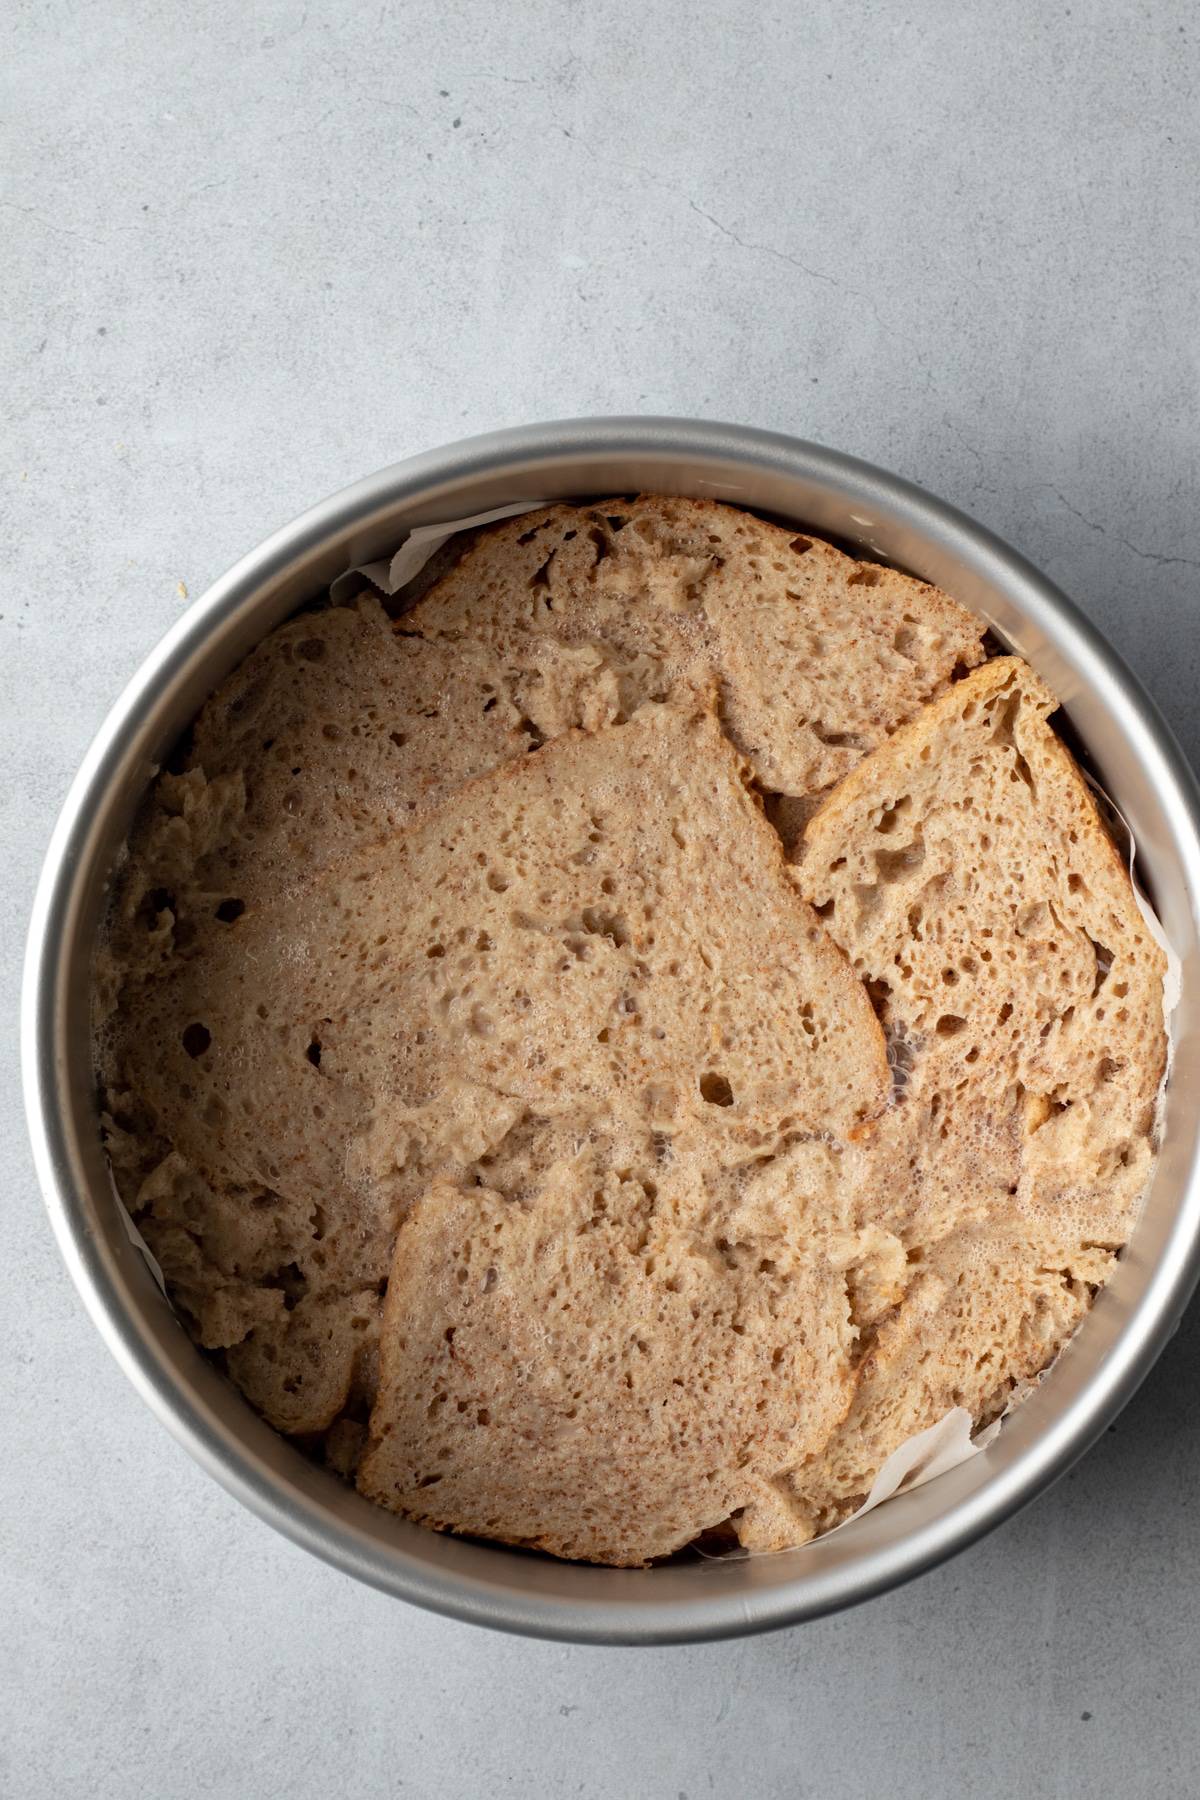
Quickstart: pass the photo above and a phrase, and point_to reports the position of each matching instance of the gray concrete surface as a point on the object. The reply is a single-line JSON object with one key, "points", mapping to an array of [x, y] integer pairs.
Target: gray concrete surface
{"points": [[253, 249]]}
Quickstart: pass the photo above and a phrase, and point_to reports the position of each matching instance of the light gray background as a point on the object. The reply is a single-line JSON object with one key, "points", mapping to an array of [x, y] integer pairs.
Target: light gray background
{"points": [[253, 250]]}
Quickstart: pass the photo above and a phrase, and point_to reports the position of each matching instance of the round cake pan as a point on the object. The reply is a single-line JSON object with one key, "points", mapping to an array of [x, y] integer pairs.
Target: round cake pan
{"points": [[1136, 759]]}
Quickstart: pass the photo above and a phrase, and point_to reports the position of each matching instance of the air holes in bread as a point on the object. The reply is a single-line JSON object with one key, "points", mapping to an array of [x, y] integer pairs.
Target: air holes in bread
{"points": [[716, 1090], [196, 1039]]}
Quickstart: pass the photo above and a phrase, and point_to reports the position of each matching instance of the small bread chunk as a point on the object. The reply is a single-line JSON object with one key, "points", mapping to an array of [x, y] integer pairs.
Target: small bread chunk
{"points": [[816, 657], [248, 1269], [606, 924], [590, 1371], [302, 1372], [967, 874], [342, 729]]}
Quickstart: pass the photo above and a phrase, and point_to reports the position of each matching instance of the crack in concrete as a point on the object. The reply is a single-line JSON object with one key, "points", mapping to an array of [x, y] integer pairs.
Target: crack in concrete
{"points": [[793, 261], [653, 179], [48, 224], [1153, 556]]}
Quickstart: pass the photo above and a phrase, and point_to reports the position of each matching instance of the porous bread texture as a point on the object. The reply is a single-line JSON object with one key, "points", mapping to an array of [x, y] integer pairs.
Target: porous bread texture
{"points": [[331, 734], [967, 874], [552, 1047], [595, 610], [604, 929], [246, 1266]]}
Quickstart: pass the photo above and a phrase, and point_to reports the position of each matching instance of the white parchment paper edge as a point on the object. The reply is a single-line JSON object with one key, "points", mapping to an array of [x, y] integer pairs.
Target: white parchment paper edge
{"points": [[393, 572], [139, 1243]]}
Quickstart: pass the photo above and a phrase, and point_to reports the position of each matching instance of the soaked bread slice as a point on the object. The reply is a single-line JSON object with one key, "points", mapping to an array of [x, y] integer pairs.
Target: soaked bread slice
{"points": [[967, 874], [607, 924], [594, 610], [609, 917], [596, 1370]]}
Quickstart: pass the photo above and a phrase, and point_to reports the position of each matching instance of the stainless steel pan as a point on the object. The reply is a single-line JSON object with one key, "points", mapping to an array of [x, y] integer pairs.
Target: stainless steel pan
{"points": [[1140, 765]]}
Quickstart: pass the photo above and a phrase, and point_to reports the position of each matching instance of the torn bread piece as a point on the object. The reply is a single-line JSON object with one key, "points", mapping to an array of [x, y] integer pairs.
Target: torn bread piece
{"points": [[332, 734], [587, 1373], [967, 874], [987, 1310]]}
